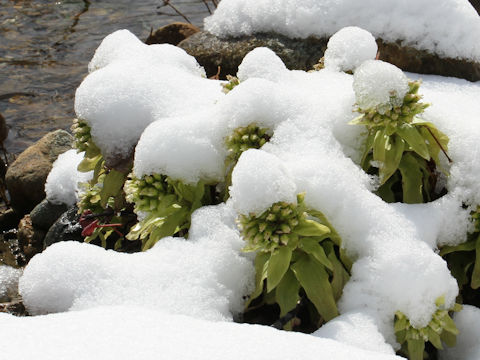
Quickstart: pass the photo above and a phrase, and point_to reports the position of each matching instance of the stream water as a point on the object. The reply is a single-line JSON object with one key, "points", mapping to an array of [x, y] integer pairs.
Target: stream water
{"points": [[45, 47]]}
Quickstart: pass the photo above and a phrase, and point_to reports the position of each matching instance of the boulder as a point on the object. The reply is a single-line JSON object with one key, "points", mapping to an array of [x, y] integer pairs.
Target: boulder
{"points": [[45, 214], [212, 52], [172, 33], [66, 228], [26, 176]]}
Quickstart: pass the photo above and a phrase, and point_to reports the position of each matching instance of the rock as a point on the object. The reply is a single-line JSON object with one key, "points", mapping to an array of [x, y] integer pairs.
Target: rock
{"points": [[26, 176], [30, 240], [211, 52], [3, 130], [172, 33], [45, 214], [476, 5], [66, 228], [13, 308]]}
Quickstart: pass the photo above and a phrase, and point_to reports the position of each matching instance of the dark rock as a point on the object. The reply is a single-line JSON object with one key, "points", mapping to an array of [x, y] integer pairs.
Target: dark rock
{"points": [[30, 239], [3, 130], [476, 5], [66, 228], [172, 33], [8, 219], [14, 308], [212, 52], [26, 177], [45, 214]]}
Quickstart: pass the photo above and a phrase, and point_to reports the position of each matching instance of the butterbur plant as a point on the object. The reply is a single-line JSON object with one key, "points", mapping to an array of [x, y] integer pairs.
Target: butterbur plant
{"points": [[402, 149], [440, 330], [165, 205], [464, 262], [232, 81], [298, 255]]}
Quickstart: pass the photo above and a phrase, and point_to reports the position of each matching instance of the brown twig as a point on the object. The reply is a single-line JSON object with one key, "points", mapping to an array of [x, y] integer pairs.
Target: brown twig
{"points": [[440, 145], [217, 75], [167, 2], [215, 3], [208, 7]]}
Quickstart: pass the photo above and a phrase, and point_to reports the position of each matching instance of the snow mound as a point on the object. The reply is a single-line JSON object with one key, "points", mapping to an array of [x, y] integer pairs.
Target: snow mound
{"points": [[8, 281], [261, 62], [348, 48], [378, 84], [414, 22], [209, 272], [62, 186]]}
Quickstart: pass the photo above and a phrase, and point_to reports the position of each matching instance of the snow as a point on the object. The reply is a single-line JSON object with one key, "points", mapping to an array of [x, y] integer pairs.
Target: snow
{"points": [[210, 274], [467, 347], [261, 62], [378, 84], [258, 181], [126, 93], [414, 22], [348, 48], [63, 181], [136, 333]]}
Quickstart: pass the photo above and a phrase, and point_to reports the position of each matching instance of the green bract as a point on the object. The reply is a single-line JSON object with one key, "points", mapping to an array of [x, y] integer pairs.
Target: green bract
{"points": [[464, 260], [232, 82], [441, 329], [168, 205], [298, 254], [402, 149]]}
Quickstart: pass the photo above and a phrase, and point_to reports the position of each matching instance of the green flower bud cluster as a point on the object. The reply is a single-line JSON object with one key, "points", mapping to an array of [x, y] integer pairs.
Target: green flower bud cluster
{"points": [[90, 199], [81, 132], [244, 138], [146, 193], [441, 329], [273, 228], [232, 82], [396, 115]]}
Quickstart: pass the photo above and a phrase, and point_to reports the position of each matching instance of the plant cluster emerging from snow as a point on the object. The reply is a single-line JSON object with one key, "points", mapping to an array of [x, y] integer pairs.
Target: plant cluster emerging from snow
{"points": [[273, 135]]}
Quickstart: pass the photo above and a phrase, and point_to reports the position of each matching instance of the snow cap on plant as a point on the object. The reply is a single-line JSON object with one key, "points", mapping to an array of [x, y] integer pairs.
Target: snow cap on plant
{"points": [[348, 48], [260, 180], [379, 85], [261, 63]]}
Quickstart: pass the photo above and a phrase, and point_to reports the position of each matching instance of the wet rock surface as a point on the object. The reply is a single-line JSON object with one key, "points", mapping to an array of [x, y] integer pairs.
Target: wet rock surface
{"points": [[172, 34], [66, 228], [212, 52], [30, 239], [46, 213], [26, 177]]}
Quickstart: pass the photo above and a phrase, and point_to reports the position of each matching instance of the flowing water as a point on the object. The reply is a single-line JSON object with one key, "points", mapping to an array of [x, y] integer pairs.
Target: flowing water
{"points": [[45, 47]]}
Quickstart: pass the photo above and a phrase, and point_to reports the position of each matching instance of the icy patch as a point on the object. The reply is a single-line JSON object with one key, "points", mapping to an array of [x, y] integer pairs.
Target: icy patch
{"points": [[62, 186], [378, 84], [152, 332], [260, 180], [348, 48], [415, 22], [468, 346], [262, 63]]}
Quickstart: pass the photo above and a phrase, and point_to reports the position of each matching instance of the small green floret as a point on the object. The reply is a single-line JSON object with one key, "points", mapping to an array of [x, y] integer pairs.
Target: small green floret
{"points": [[232, 82], [440, 330]]}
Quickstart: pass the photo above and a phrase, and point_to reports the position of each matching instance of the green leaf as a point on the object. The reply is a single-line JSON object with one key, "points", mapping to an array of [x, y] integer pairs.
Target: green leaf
{"points": [[88, 164], [394, 148], [415, 349], [434, 338], [412, 183], [448, 338], [261, 266], [167, 228], [333, 235], [278, 266], [475, 284], [112, 186], [413, 138], [359, 120], [316, 250], [311, 228], [466, 246], [286, 293], [314, 279], [340, 275], [379, 145]]}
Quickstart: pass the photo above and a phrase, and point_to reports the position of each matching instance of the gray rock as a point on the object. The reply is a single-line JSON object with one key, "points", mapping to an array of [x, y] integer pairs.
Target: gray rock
{"points": [[26, 177], [172, 33], [212, 52], [45, 214], [66, 228]]}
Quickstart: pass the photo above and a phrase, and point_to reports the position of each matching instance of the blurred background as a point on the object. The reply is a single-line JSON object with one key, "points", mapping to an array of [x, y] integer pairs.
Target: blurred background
{"points": [[45, 47]]}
